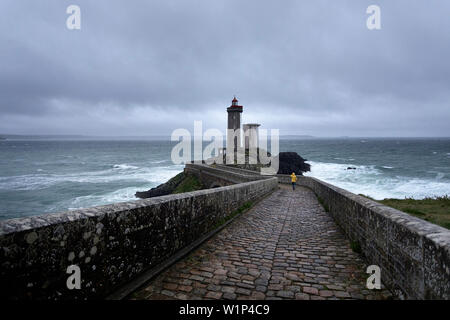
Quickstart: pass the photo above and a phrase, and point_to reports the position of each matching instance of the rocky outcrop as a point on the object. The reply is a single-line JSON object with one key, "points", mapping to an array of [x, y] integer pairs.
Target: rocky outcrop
{"points": [[292, 162], [289, 162], [162, 189]]}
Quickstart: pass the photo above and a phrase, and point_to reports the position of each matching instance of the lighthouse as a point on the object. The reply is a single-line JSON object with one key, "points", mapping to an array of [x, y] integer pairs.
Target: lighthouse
{"points": [[234, 125]]}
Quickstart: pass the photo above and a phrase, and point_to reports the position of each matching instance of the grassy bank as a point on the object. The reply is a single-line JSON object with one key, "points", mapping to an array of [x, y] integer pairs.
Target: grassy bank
{"points": [[188, 184], [435, 210]]}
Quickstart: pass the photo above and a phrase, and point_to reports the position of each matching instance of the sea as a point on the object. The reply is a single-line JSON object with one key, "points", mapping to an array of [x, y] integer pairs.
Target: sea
{"points": [[55, 175]]}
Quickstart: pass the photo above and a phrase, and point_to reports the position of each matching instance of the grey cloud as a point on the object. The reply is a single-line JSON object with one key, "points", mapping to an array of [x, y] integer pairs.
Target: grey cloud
{"points": [[306, 67]]}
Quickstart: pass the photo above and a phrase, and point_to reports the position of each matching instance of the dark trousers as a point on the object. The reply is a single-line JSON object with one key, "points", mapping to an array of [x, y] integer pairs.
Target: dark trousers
{"points": [[293, 185]]}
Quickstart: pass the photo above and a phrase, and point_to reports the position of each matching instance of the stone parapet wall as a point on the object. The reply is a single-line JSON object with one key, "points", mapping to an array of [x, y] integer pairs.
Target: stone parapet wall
{"points": [[218, 175], [413, 254], [238, 169], [111, 244]]}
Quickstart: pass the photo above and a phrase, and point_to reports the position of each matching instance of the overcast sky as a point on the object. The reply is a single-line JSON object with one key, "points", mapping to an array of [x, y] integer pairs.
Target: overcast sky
{"points": [[148, 67]]}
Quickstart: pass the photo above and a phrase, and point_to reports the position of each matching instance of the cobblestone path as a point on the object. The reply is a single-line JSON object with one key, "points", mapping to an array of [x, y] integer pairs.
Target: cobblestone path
{"points": [[285, 247]]}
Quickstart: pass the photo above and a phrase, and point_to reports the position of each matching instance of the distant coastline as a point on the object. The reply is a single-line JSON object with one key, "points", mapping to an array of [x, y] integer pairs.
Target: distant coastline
{"points": [[81, 137], [167, 137]]}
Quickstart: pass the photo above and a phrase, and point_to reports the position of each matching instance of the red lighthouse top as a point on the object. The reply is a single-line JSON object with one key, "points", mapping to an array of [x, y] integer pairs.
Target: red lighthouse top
{"points": [[234, 104]]}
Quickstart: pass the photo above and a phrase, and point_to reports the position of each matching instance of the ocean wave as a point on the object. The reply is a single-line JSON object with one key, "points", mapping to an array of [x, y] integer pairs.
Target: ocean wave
{"points": [[438, 175], [128, 175], [124, 166], [159, 161], [371, 181], [121, 195]]}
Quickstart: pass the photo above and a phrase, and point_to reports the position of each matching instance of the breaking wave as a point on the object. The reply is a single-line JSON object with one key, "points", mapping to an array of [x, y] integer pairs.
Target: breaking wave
{"points": [[372, 181], [118, 173], [124, 166]]}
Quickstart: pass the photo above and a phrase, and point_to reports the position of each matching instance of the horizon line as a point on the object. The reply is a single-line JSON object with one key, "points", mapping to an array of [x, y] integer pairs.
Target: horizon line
{"points": [[6, 135]]}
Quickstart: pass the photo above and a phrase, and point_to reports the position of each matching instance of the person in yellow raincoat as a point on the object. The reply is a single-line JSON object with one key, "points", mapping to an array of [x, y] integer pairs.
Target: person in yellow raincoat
{"points": [[293, 180]]}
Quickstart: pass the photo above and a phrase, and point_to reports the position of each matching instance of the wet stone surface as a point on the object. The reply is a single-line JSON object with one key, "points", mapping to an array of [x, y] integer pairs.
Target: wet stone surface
{"points": [[286, 247]]}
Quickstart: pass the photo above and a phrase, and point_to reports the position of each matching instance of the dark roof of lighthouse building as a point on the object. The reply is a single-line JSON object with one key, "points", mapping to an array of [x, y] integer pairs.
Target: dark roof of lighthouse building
{"points": [[234, 104]]}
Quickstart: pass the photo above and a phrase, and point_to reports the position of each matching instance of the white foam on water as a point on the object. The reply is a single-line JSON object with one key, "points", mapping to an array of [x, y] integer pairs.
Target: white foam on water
{"points": [[159, 161], [116, 174], [124, 166], [25, 182], [440, 175], [121, 195], [369, 180], [159, 175]]}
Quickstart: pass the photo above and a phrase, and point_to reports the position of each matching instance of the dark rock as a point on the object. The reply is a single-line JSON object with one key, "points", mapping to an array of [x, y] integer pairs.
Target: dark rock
{"points": [[351, 168], [292, 162], [162, 189]]}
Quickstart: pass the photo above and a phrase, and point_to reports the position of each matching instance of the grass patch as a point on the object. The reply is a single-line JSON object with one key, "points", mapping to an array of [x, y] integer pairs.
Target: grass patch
{"points": [[414, 212], [189, 183], [435, 210]]}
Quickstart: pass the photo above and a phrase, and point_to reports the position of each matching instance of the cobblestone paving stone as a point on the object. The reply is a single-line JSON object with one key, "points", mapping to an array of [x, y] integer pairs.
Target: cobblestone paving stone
{"points": [[285, 247]]}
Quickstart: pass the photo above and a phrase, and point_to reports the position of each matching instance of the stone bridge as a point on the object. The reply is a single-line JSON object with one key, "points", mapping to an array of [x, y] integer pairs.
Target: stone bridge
{"points": [[285, 247], [311, 243]]}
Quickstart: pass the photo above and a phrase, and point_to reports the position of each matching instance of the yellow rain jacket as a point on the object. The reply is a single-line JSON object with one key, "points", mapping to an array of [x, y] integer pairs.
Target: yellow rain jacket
{"points": [[293, 177]]}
